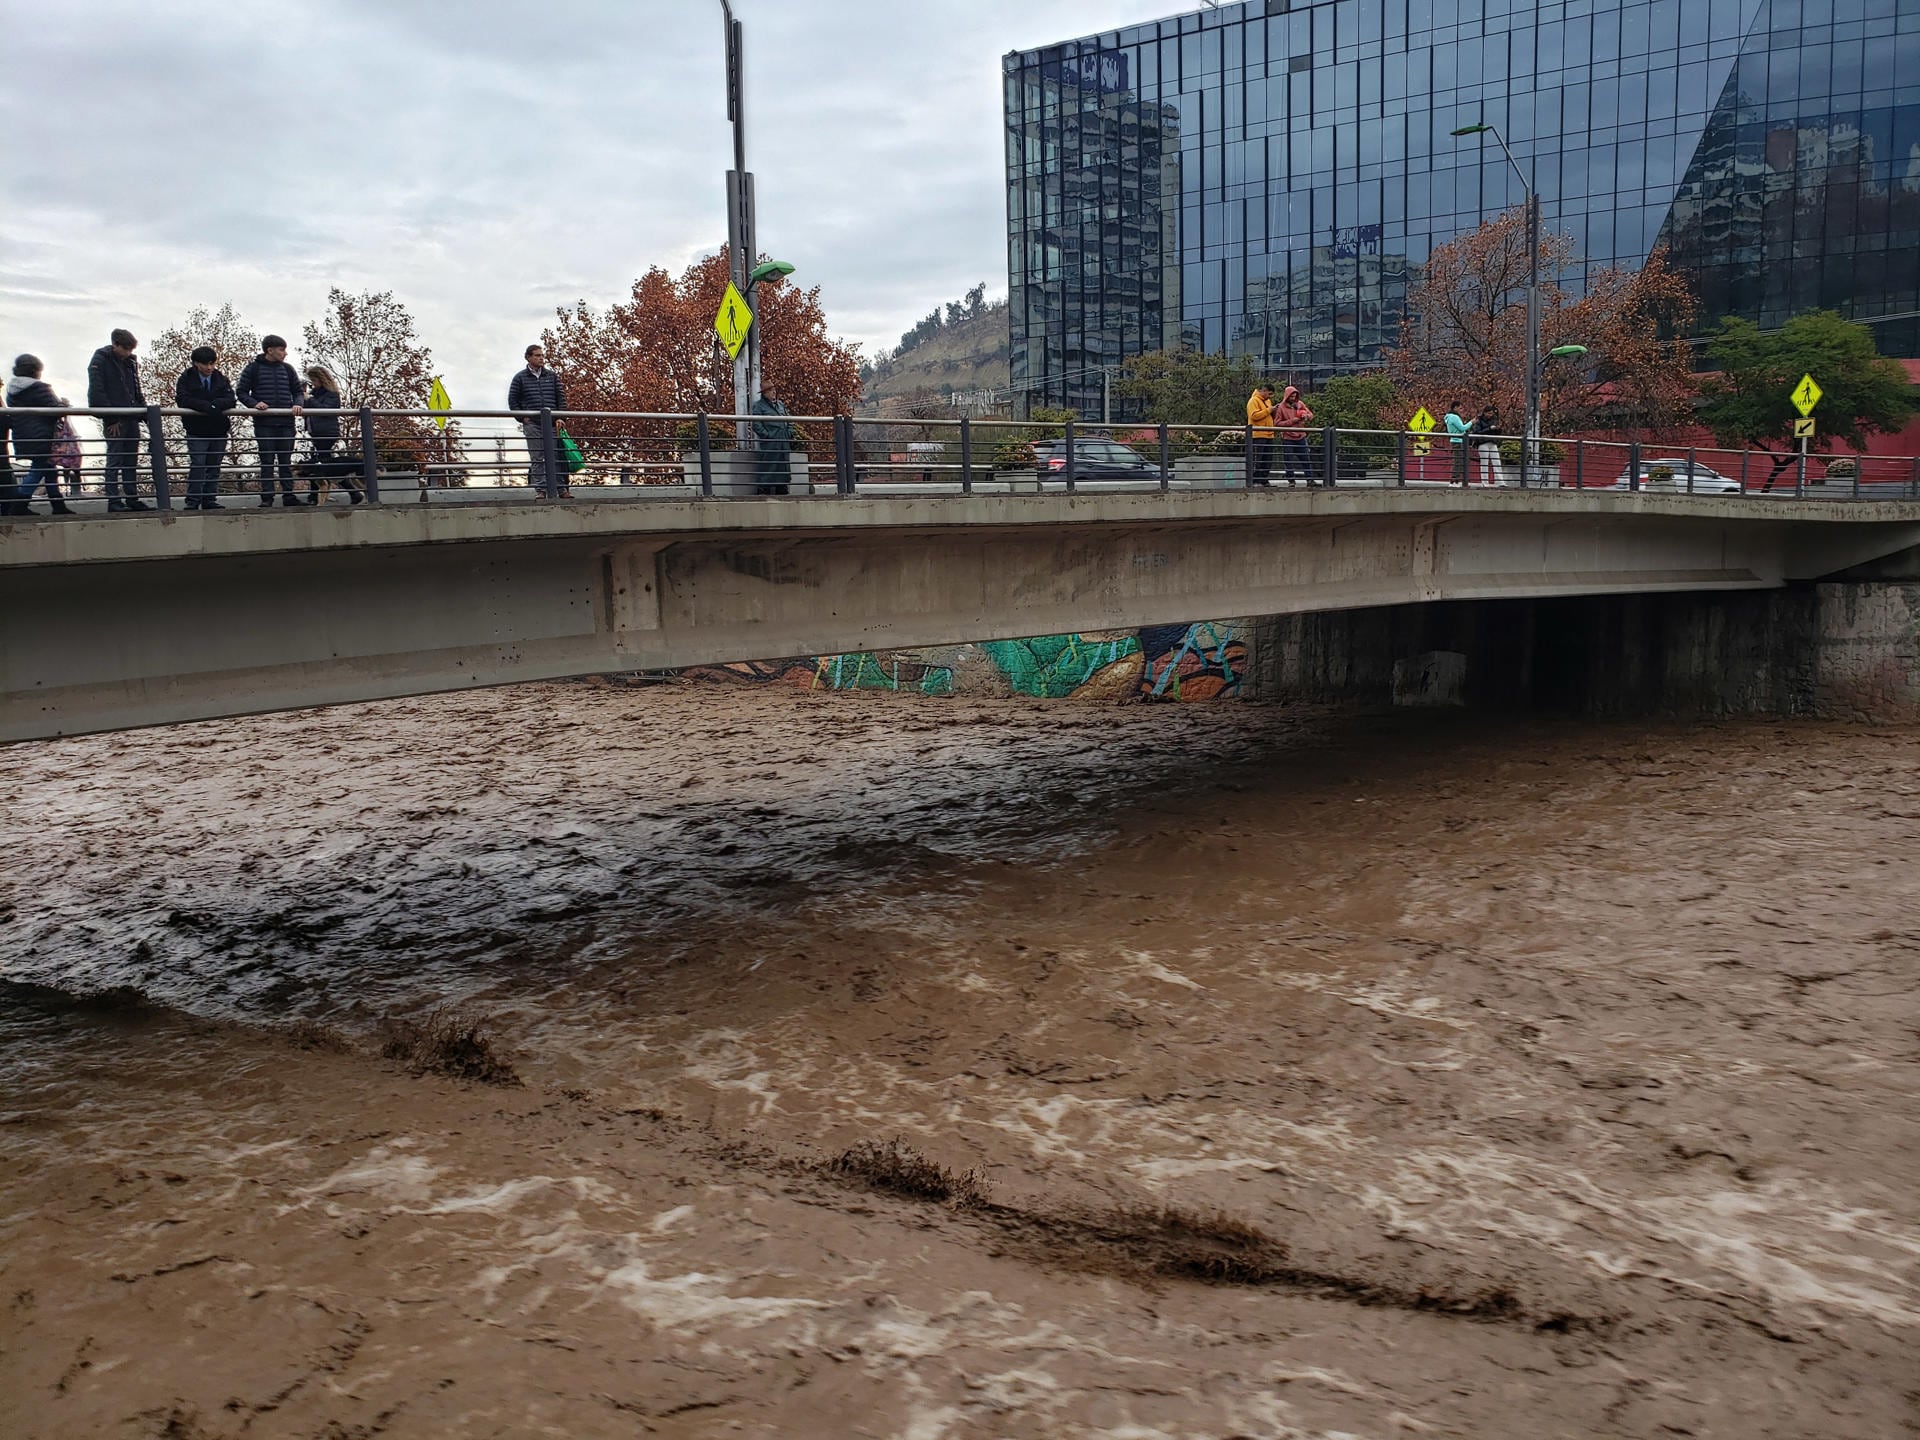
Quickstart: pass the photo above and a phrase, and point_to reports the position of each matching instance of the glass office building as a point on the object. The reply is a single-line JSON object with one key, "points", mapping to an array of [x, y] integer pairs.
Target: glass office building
{"points": [[1266, 178]]}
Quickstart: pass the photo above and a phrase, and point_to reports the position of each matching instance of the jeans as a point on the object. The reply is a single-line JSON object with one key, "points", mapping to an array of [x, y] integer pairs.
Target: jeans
{"points": [[1294, 456], [276, 457], [1459, 462], [39, 456], [1262, 460], [204, 454], [537, 460], [123, 460]]}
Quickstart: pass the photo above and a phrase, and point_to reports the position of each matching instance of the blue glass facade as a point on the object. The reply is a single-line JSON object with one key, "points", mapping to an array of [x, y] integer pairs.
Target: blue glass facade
{"points": [[1266, 178]]}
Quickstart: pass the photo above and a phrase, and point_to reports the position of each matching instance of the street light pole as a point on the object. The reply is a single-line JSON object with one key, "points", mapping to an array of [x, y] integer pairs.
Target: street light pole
{"points": [[1533, 289], [742, 243]]}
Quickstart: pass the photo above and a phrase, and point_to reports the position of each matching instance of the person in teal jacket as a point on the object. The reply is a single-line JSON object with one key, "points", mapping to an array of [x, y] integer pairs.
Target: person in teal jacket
{"points": [[1457, 428]]}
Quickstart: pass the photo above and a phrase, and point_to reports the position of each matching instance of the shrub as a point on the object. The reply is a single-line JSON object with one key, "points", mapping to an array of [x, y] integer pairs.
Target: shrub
{"points": [[1660, 474], [1843, 467], [1015, 454], [687, 432], [1550, 452]]}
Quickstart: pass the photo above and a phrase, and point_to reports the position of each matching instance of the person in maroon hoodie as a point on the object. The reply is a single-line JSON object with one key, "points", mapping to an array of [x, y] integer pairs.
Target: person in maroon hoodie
{"points": [[1290, 417]]}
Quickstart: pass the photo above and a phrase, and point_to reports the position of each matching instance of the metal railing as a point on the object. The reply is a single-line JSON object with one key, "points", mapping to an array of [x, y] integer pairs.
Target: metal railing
{"points": [[384, 456]]}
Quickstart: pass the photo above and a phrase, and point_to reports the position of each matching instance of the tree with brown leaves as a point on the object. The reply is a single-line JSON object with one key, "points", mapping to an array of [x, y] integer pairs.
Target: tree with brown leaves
{"points": [[657, 353], [1465, 335]]}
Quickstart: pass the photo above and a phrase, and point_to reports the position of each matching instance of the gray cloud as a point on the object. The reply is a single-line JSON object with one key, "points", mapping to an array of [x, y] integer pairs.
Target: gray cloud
{"points": [[492, 160]]}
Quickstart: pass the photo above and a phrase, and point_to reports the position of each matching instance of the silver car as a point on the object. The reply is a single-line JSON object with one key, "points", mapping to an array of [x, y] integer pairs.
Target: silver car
{"points": [[1705, 481]]}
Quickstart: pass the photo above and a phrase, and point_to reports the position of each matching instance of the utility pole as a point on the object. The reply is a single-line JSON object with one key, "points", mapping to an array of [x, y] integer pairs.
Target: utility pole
{"points": [[1529, 453], [742, 246]]}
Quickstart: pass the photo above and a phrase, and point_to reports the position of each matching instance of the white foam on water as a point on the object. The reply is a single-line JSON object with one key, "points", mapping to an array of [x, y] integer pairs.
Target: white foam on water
{"points": [[697, 1298]]}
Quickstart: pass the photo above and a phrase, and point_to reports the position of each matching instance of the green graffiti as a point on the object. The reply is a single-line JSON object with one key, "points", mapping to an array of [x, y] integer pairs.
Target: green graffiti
{"points": [[1053, 667]]}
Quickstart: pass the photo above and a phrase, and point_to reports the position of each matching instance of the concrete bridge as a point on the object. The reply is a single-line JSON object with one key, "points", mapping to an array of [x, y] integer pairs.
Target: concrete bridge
{"points": [[126, 621]]}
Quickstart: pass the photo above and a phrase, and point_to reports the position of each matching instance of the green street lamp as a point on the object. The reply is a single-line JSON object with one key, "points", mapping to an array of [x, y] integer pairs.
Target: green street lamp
{"points": [[1566, 352], [768, 270]]}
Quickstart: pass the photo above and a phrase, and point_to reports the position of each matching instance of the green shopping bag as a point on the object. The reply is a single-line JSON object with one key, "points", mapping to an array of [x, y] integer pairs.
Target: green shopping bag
{"points": [[570, 455]]}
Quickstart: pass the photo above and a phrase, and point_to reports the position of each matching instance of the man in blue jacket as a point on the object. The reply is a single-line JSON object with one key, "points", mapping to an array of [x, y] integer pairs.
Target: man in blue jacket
{"points": [[270, 383], [113, 383], [209, 395], [537, 388]]}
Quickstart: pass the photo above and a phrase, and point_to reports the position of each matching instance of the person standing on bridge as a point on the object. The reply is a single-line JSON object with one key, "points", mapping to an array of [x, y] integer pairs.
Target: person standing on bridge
{"points": [[773, 441], [1457, 428], [1485, 439], [270, 383], [538, 388], [1260, 425], [1293, 415], [33, 434], [113, 383], [209, 395]]}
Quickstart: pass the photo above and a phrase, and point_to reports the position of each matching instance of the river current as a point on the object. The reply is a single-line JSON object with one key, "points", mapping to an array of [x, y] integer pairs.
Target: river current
{"points": [[952, 1067]]}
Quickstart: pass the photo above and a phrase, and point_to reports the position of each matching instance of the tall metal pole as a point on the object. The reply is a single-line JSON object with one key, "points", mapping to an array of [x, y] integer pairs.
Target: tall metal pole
{"points": [[742, 248], [1529, 453]]}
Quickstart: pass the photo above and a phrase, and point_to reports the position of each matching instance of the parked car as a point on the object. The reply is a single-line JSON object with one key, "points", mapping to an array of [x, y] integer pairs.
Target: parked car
{"points": [[1674, 477], [1095, 459]]}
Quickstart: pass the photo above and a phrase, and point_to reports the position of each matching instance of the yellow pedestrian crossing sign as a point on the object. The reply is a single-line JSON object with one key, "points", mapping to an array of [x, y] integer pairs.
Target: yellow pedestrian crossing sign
{"points": [[1422, 421], [437, 399], [733, 321], [1803, 429], [1806, 395]]}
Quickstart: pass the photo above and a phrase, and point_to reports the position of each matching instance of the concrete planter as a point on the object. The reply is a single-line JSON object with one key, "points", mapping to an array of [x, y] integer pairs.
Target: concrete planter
{"points": [[1227, 472], [735, 472]]}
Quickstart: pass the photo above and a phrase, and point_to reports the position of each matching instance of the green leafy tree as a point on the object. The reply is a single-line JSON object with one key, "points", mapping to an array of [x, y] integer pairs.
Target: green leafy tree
{"points": [[1367, 401], [1190, 387], [1749, 402]]}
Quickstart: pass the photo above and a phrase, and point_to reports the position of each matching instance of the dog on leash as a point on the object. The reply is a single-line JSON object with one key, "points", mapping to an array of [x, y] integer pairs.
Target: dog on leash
{"points": [[320, 475]]}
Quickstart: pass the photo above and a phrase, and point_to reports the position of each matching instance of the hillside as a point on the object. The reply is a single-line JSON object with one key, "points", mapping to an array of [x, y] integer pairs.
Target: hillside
{"points": [[964, 354]]}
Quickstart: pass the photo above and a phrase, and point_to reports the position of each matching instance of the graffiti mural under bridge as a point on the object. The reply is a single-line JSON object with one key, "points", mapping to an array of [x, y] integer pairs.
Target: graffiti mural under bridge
{"points": [[1202, 661]]}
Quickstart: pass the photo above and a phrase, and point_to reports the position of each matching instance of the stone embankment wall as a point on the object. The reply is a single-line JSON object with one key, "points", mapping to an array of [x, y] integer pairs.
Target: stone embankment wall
{"points": [[1843, 649]]}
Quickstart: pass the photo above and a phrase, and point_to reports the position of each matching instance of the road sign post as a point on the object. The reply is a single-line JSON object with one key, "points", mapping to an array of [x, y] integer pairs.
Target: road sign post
{"points": [[1421, 425], [1805, 396]]}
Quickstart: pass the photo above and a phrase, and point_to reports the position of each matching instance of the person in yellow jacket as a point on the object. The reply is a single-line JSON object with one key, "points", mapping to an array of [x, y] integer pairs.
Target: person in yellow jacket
{"points": [[1260, 422]]}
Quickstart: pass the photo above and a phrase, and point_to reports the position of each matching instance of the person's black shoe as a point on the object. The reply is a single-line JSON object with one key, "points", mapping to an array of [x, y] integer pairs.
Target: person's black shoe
{"points": [[355, 496], [134, 502], [115, 505], [211, 505], [266, 501], [60, 508]]}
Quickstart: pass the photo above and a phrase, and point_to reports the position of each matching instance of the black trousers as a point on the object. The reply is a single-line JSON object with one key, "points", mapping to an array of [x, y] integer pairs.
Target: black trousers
{"points": [[276, 457]]}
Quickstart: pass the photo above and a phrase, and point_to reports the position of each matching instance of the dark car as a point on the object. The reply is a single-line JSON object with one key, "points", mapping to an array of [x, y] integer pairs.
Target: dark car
{"points": [[1095, 459]]}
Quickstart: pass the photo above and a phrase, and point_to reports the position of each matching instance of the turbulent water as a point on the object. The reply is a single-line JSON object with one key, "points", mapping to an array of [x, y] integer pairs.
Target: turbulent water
{"points": [[1316, 1075]]}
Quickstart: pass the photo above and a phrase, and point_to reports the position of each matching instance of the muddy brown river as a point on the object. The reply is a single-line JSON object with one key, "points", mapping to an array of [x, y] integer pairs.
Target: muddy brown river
{"points": [[960, 1068]]}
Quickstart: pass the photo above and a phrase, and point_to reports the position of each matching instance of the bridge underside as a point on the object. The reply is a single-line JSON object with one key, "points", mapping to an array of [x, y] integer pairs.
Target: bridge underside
{"points": [[254, 620]]}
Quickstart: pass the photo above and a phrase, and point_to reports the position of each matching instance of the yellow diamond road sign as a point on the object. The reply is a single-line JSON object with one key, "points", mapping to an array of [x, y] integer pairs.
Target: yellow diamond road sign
{"points": [[733, 321], [437, 400], [1422, 421], [1803, 429], [1806, 395]]}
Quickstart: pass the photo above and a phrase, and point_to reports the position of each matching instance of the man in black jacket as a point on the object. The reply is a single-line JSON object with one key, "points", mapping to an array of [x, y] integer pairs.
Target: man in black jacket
{"points": [[113, 383], [270, 383], [209, 395], [537, 388]]}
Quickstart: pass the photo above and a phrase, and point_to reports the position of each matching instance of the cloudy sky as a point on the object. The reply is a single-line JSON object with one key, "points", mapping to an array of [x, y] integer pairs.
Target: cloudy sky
{"points": [[488, 160]]}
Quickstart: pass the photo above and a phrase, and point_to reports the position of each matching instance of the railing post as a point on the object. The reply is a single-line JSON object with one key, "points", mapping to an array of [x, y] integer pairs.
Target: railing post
{"points": [[1859, 464], [966, 456], [1330, 444], [706, 453], [550, 448], [1166, 458], [1800, 474], [1913, 481], [369, 456], [1069, 456], [1633, 465], [1693, 452], [1247, 446], [1400, 459], [851, 479], [157, 459], [1579, 464]]}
